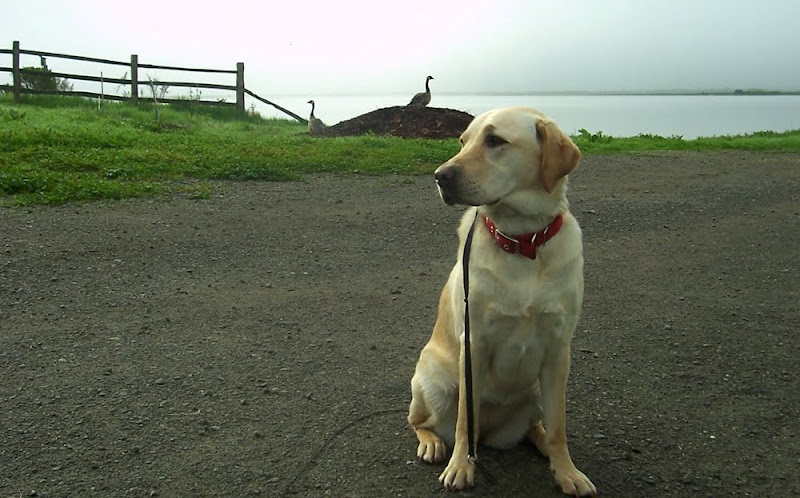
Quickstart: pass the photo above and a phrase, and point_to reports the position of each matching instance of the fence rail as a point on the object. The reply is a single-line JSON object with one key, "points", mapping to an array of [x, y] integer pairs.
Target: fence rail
{"points": [[133, 81], [67, 56]]}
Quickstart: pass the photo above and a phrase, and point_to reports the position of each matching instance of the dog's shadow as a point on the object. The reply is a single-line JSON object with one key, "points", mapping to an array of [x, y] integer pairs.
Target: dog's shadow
{"points": [[378, 457], [519, 471]]}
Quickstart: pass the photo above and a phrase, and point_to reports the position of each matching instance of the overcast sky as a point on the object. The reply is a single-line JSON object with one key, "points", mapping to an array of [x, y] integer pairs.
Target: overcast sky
{"points": [[371, 46]]}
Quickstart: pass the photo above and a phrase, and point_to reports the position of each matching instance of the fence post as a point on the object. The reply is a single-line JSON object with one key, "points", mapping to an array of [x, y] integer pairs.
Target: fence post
{"points": [[240, 87], [135, 78], [15, 71]]}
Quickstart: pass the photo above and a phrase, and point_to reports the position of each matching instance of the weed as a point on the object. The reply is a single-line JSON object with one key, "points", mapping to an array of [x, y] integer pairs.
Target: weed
{"points": [[587, 136], [11, 114]]}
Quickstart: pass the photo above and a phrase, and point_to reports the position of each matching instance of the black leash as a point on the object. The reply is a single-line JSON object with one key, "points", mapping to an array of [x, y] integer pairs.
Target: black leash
{"points": [[472, 454], [330, 439], [472, 451]]}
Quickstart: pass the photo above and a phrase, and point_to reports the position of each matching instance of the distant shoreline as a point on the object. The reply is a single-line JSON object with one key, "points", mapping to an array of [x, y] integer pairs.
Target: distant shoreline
{"points": [[595, 93], [735, 93]]}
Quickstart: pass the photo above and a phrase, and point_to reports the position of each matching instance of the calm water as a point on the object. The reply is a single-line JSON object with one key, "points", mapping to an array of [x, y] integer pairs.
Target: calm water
{"points": [[689, 116]]}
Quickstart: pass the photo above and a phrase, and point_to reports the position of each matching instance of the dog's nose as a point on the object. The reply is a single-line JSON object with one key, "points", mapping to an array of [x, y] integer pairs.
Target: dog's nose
{"points": [[445, 176]]}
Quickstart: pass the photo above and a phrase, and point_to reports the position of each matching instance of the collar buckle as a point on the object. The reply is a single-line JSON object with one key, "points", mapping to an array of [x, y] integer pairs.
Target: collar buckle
{"points": [[506, 243]]}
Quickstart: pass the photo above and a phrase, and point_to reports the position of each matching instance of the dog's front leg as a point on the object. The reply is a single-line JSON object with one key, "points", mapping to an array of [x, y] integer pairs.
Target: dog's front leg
{"points": [[460, 471], [553, 381]]}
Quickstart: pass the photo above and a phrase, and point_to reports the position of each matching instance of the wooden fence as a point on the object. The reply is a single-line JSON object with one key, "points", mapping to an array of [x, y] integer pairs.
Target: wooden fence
{"points": [[133, 81]]}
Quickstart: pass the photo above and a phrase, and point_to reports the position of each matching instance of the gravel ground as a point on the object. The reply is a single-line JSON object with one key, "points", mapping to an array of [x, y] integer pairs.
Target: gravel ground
{"points": [[261, 342]]}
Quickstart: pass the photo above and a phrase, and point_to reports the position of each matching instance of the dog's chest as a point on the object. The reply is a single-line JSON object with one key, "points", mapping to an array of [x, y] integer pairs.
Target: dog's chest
{"points": [[515, 351], [514, 323]]}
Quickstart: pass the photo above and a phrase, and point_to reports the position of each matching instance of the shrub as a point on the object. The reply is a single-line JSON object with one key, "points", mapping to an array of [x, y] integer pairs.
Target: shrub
{"points": [[41, 78]]}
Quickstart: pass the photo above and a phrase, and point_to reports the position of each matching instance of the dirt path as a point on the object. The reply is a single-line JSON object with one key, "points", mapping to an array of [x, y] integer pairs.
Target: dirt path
{"points": [[178, 347]]}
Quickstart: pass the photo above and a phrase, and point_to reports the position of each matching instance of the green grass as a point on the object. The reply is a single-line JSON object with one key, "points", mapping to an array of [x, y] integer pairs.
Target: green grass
{"points": [[598, 143], [57, 149]]}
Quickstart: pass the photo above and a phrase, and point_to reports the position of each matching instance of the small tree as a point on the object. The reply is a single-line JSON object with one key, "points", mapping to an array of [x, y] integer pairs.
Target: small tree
{"points": [[41, 78]]}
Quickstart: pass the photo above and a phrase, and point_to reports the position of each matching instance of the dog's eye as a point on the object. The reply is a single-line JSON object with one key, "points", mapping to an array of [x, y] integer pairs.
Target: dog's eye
{"points": [[493, 141]]}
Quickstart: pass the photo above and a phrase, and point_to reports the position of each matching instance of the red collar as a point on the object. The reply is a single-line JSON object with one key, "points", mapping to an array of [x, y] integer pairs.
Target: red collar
{"points": [[525, 244]]}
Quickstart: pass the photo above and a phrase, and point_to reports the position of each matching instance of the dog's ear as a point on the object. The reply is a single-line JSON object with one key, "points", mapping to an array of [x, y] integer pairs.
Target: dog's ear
{"points": [[559, 154]]}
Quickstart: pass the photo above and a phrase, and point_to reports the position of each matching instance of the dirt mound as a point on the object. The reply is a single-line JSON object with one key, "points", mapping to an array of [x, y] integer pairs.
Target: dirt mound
{"points": [[406, 122]]}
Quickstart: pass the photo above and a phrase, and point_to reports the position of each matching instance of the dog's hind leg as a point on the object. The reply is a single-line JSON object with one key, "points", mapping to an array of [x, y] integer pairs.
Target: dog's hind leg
{"points": [[432, 448]]}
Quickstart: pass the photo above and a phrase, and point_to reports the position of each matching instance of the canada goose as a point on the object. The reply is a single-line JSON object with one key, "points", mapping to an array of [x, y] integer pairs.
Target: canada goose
{"points": [[422, 98], [315, 125]]}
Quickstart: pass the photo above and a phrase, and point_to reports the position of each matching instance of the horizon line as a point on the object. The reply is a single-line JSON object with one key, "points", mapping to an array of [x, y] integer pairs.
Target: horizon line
{"points": [[675, 92]]}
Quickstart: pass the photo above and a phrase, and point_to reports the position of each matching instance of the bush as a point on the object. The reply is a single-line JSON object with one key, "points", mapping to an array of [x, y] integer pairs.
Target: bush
{"points": [[41, 78]]}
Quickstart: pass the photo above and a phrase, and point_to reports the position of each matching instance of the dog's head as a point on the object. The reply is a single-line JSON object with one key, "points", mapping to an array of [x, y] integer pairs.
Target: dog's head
{"points": [[504, 153]]}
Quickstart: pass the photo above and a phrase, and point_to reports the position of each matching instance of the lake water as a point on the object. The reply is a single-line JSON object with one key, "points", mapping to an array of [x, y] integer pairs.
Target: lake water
{"points": [[689, 116]]}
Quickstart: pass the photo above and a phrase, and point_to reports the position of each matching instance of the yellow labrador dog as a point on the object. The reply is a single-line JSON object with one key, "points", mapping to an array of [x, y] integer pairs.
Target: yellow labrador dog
{"points": [[525, 295]]}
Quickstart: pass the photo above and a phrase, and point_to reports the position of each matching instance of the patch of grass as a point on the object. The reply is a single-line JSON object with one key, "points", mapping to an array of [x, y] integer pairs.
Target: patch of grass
{"points": [[598, 143], [198, 190], [57, 149], [120, 150], [24, 186]]}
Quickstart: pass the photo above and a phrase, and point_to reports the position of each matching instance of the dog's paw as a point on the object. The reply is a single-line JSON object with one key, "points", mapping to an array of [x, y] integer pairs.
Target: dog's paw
{"points": [[575, 483], [459, 474], [431, 448]]}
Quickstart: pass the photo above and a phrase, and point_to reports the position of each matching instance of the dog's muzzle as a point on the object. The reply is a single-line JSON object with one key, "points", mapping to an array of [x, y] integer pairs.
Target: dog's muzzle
{"points": [[446, 177]]}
